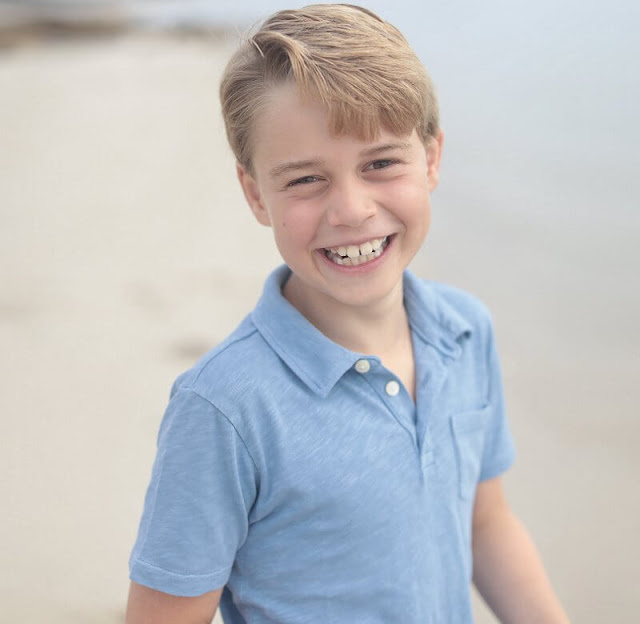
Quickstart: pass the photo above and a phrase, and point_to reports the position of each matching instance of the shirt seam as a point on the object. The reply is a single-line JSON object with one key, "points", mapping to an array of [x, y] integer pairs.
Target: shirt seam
{"points": [[155, 567], [228, 345], [159, 479], [219, 411]]}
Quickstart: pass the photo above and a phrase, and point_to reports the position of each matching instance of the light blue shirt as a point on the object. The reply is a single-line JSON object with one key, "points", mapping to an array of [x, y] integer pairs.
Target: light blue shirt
{"points": [[303, 477]]}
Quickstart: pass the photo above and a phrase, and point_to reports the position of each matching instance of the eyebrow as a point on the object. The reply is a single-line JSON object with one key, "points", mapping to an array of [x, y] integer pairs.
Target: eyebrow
{"points": [[387, 147], [288, 167], [297, 165]]}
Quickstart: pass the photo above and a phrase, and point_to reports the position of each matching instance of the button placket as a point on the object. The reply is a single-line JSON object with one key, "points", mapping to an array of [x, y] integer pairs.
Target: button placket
{"points": [[388, 389]]}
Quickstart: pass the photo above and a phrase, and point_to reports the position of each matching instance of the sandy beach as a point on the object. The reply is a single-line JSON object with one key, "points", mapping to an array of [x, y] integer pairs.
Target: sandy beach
{"points": [[126, 251]]}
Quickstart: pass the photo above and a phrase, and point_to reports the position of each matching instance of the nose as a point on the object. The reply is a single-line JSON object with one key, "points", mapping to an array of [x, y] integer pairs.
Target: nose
{"points": [[349, 204]]}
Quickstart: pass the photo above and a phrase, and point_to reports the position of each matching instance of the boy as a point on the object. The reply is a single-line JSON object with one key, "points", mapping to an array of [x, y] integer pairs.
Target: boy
{"points": [[338, 457]]}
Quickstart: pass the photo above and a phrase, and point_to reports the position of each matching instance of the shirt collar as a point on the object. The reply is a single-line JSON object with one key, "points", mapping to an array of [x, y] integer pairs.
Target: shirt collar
{"points": [[432, 317], [320, 362], [316, 360]]}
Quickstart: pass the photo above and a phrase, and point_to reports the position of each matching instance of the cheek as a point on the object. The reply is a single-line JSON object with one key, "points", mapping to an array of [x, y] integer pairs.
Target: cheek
{"points": [[298, 226], [415, 213], [289, 239], [412, 202]]}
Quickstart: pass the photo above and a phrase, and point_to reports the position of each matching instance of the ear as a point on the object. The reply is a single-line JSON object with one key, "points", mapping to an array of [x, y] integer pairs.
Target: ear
{"points": [[434, 154], [253, 196]]}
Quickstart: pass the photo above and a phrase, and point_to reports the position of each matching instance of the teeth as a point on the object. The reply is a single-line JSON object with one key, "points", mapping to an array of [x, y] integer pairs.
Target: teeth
{"points": [[353, 255], [353, 251], [366, 249]]}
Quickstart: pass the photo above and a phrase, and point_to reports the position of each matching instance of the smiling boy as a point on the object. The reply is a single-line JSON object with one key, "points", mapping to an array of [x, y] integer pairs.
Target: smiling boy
{"points": [[338, 457]]}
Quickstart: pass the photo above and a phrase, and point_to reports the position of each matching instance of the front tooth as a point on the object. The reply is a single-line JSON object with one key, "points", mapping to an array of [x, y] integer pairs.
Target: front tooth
{"points": [[342, 251], [366, 249], [375, 244], [353, 251]]}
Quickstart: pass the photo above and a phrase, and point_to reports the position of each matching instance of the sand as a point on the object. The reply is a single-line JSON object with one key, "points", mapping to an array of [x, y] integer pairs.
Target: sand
{"points": [[126, 250]]}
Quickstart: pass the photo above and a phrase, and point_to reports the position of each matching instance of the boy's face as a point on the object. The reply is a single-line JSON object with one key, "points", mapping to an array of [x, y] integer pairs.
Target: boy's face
{"points": [[329, 198]]}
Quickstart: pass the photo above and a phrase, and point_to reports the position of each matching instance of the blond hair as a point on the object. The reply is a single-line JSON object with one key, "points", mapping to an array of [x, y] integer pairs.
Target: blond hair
{"points": [[355, 64]]}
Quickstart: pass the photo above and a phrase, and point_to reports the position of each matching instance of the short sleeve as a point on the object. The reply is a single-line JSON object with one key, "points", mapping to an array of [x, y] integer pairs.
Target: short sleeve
{"points": [[196, 509], [499, 451]]}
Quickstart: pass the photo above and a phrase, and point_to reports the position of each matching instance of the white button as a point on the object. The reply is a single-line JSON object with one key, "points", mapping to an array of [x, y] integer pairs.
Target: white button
{"points": [[392, 388], [363, 366]]}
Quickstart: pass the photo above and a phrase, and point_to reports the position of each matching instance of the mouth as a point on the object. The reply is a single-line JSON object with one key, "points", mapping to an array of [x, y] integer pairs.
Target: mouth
{"points": [[353, 255]]}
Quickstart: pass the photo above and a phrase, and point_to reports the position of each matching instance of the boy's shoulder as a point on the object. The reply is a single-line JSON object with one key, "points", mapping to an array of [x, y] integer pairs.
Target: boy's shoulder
{"points": [[230, 364]]}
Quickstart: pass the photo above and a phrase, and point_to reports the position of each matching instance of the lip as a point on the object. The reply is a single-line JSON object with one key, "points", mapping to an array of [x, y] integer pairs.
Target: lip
{"points": [[360, 268]]}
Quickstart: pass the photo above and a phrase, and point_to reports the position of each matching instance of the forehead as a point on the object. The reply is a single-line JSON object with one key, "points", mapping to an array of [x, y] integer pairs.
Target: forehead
{"points": [[283, 107], [289, 126]]}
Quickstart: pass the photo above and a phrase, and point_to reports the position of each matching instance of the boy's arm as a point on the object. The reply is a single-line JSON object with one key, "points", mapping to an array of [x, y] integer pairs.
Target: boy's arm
{"points": [[507, 570], [148, 606]]}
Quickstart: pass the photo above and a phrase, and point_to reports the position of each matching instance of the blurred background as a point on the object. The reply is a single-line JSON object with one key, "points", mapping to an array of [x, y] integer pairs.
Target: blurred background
{"points": [[126, 251]]}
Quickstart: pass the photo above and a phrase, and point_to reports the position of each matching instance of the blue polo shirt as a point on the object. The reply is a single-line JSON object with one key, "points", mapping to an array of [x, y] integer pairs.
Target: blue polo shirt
{"points": [[303, 478]]}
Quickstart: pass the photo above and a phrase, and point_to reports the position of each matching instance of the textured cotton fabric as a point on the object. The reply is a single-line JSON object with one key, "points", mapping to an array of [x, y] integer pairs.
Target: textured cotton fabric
{"points": [[312, 491]]}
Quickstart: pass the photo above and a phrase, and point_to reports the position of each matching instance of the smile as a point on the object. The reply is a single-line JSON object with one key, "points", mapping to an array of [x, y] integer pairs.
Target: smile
{"points": [[352, 255]]}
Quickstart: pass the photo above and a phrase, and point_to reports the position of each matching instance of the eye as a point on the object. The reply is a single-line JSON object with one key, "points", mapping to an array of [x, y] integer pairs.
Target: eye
{"points": [[382, 163], [304, 180]]}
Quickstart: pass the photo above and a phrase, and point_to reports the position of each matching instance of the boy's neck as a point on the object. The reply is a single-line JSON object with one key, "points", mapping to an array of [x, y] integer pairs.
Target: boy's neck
{"points": [[372, 330]]}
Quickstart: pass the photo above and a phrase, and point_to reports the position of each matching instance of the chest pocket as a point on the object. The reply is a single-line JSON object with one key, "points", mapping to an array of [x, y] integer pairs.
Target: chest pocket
{"points": [[468, 430]]}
